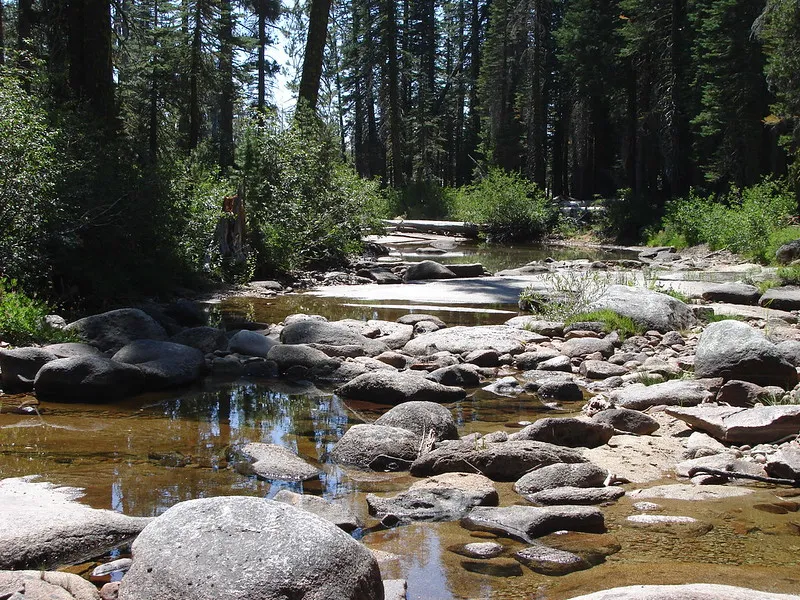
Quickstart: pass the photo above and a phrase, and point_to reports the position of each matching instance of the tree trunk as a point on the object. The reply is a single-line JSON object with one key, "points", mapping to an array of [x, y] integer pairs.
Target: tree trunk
{"points": [[262, 67], [2, 37], [227, 87], [194, 77], [394, 169], [315, 48], [153, 118]]}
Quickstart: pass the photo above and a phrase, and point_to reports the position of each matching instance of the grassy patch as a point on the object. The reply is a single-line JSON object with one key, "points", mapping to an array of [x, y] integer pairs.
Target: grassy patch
{"points": [[22, 319], [717, 318], [612, 321], [789, 275]]}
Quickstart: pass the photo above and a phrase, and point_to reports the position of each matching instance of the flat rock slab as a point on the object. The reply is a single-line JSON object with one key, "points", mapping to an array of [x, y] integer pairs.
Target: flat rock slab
{"points": [[526, 523], [732, 292], [271, 461], [566, 431], [550, 561], [694, 591], [575, 496], [686, 526], [781, 298], [42, 526], [669, 393], [462, 340], [559, 475], [688, 492], [733, 425], [246, 548], [503, 461]]}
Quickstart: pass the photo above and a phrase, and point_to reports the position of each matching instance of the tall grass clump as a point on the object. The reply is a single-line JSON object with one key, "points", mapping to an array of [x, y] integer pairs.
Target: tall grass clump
{"points": [[22, 318], [511, 208], [753, 221]]}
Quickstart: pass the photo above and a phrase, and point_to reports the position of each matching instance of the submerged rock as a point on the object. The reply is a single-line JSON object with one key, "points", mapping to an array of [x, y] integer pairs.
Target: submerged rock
{"points": [[247, 548], [271, 461], [549, 561], [526, 523]]}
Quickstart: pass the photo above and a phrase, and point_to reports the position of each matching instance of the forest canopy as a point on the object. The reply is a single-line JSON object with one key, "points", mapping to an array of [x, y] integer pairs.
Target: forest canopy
{"points": [[123, 124]]}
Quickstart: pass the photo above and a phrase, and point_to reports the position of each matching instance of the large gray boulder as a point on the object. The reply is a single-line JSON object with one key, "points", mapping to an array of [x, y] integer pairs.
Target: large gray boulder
{"points": [[462, 340], [390, 387], [422, 418], [566, 431], [287, 356], [333, 511], [43, 526], [87, 379], [427, 269], [461, 375], [330, 334], [734, 425], [504, 461], [526, 523], [112, 330], [250, 343], [204, 338], [18, 367], [163, 364], [650, 309], [734, 350], [788, 252], [624, 419], [692, 591], [678, 392], [786, 297], [560, 475], [377, 447], [270, 461], [70, 349], [247, 548]]}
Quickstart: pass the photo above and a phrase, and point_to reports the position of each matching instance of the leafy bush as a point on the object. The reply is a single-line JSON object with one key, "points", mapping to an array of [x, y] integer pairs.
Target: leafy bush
{"points": [[305, 207], [22, 319], [753, 221], [30, 166], [625, 217], [512, 208], [418, 200]]}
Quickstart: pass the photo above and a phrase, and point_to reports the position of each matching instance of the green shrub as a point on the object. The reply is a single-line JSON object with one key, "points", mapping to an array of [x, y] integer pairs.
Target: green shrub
{"points": [[625, 217], [789, 275], [752, 222], [305, 207], [418, 200], [512, 208], [612, 321], [22, 319]]}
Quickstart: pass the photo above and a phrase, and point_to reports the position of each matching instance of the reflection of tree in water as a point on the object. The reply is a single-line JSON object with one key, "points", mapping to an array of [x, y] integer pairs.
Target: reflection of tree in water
{"points": [[200, 428]]}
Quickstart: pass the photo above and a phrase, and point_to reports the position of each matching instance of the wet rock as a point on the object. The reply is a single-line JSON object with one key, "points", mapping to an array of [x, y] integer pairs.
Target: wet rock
{"points": [[163, 364], [575, 496], [87, 379], [493, 568], [549, 561], [248, 548], [42, 526], [526, 523], [559, 475], [462, 340], [732, 425], [481, 550], [685, 526], [112, 330], [732, 293], [287, 356], [600, 369], [271, 461], [18, 367], [251, 343], [384, 387], [592, 547], [422, 418], [624, 419], [414, 318], [566, 431], [580, 347], [505, 461], [694, 591], [205, 339], [332, 334], [456, 375], [377, 447], [505, 386], [650, 309], [427, 269], [781, 298], [678, 392], [734, 350], [45, 585], [335, 512], [445, 497]]}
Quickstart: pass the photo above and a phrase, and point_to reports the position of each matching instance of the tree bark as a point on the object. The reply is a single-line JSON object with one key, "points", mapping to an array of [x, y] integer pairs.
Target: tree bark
{"points": [[194, 77], [2, 37], [315, 48], [227, 87]]}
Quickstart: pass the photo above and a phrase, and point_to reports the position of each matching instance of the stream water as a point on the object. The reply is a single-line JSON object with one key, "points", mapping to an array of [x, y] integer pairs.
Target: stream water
{"points": [[143, 455]]}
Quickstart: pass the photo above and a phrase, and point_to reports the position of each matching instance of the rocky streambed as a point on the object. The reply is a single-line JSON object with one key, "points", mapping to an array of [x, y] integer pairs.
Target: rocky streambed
{"points": [[405, 457]]}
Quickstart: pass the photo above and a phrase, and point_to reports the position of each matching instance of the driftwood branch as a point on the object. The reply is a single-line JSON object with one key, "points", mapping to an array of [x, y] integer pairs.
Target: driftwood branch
{"points": [[737, 475]]}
